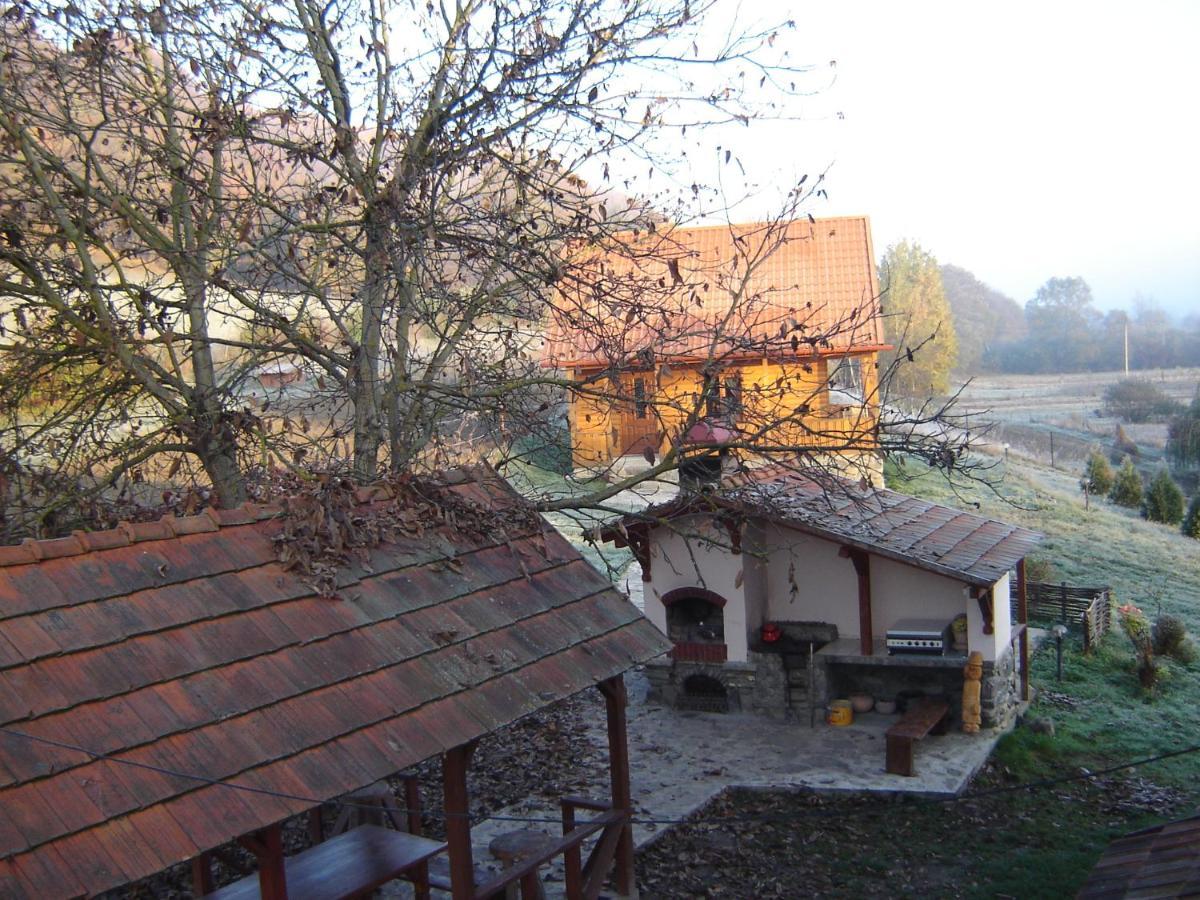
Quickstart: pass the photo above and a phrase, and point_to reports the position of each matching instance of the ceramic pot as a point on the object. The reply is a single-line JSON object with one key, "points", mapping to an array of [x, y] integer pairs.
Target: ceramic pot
{"points": [[885, 707], [862, 703]]}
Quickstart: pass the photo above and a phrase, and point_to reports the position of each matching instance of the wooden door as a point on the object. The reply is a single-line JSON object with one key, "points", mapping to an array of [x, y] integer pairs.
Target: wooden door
{"points": [[637, 425]]}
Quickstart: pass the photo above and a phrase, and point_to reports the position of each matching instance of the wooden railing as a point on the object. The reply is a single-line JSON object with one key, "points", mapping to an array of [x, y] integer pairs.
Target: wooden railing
{"points": [[583, 880], [1086, 608]]}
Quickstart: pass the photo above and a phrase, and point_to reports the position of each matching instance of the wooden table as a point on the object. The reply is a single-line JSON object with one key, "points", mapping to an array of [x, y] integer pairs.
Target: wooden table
{"points": [[353, 864]]}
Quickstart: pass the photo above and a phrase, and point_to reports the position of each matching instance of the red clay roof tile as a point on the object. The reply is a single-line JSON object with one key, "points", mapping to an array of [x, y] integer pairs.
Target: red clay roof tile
{"points": [[191, 650]]}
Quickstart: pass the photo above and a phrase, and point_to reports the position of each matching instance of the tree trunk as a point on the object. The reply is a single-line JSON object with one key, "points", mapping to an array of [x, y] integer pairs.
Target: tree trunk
{"points": [[367, 377]]}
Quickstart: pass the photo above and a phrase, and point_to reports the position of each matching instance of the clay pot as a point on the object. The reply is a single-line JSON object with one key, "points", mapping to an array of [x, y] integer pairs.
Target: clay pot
{"points": [[862, 703], [885, 707]]}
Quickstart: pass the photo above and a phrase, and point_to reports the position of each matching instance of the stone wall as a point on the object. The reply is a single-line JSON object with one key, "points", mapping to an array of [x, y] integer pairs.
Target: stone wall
{"points": [[666, 678], [759, 686], [1001, 695]]}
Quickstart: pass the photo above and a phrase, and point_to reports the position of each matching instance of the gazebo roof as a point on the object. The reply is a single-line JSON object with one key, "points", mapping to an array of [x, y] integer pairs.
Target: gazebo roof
{"points": [[167, 687]]}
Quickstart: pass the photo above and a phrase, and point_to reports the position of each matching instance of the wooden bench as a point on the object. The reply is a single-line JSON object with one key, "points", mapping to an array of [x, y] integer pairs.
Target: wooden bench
{"points": [[352, 864], [922, 717]]}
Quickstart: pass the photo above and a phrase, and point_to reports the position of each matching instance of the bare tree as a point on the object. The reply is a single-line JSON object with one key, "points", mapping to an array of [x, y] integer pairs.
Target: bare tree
{"points": [[388, 199]]}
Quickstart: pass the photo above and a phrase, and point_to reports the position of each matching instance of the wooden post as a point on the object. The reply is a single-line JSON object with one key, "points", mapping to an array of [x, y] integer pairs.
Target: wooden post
{"points": [[267, 847], [202, 876], [1023, 619], [458, 823], [622, 795], [1063, 594], [862, 568]]}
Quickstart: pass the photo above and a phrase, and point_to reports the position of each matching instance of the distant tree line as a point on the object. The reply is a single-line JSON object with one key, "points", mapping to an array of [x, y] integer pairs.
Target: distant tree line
{"points": [[1060, 330]]}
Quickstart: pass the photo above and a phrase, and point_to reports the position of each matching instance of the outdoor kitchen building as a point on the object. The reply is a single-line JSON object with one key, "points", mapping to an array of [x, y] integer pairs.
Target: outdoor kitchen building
{"points": [[780, 592]]}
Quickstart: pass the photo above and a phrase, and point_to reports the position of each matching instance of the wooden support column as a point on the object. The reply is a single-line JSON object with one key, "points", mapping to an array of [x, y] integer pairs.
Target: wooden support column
{"points": [[202, 876], [267, 846], [1023, 621], [458, 823], [615, 701], [862, 568]]}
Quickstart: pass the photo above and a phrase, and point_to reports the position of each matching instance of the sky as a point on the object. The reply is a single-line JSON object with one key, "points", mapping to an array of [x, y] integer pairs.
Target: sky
{"points": [[1017, 140]]}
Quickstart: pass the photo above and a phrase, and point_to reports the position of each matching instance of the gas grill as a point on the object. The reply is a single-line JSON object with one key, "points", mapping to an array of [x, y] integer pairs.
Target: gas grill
{"points": [[925, 636]]}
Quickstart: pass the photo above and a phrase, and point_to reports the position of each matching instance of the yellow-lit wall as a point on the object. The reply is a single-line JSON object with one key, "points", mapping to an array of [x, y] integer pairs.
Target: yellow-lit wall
{"points": [[771, 392]]}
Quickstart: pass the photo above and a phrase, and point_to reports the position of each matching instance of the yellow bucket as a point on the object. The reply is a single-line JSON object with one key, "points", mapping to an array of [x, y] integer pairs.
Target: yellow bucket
{"points": [[840, 713]]}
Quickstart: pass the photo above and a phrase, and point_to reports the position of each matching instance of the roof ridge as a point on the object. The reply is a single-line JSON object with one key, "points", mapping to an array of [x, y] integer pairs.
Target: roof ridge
{"points": [[168, 526]]}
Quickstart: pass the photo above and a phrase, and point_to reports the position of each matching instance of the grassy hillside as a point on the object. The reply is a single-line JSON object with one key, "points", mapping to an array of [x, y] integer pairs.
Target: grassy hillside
{"points": [[1102, 715]]}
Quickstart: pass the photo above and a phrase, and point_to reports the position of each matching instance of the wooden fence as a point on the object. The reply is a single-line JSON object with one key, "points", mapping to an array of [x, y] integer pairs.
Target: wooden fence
{"points": [[1086, 608]]}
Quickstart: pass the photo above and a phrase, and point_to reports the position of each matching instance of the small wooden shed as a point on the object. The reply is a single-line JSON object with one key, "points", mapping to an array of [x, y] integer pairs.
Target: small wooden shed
{"points": [[169, 687]]}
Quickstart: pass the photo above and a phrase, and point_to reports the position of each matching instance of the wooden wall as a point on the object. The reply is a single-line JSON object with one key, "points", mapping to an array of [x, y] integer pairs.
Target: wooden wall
{"points": [[604, 426]]}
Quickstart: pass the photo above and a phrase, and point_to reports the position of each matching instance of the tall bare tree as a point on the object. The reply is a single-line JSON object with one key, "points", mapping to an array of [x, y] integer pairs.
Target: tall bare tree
{"points": [[386, 199]]}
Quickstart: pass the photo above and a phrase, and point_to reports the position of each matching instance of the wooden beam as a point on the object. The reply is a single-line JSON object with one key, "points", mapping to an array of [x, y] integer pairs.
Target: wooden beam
{"points": [[615, 701], [458, 823], [862, 569], [987, 609], [1023, 619]]}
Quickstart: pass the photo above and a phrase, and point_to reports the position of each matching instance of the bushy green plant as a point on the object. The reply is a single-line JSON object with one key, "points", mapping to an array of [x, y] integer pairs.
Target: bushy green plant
{"points": [[1191, 522], [1170, 638], [1039, 569], [1097, 473], [1164, 500], [1137, 629], [1169, 632], [1127, 486]]}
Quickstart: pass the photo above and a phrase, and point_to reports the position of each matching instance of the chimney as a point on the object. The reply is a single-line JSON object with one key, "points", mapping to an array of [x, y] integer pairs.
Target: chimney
{"points": [[704, 456]]}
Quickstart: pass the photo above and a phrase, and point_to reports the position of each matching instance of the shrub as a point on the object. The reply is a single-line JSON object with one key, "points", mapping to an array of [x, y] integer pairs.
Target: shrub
{"points": [[1169, 633], [1125, 445], [1183, 436], [1164, 500], [1170, 638], [1191, 522], [1040, 569], [1137, 629], [1137, 400], [1127, 486], [1097, 473]]}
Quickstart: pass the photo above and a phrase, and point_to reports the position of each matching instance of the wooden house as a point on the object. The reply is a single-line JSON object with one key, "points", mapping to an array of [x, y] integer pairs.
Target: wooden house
{"points": [[169, 687], [782, 590], [773, 328]]}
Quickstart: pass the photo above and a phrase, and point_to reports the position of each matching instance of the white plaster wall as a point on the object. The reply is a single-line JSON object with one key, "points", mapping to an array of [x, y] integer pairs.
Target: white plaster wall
{"points": [[694, 552], [788, 575], [754, 564], [826, 588]]}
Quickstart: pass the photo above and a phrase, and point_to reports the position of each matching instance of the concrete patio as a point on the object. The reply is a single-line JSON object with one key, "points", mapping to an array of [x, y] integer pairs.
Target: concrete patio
{"points": [[681, 760]]}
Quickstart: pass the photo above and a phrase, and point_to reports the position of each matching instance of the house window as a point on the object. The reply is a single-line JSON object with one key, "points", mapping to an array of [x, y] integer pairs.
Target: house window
{"points": [[640, 406], [847, 376], [723, 396]]}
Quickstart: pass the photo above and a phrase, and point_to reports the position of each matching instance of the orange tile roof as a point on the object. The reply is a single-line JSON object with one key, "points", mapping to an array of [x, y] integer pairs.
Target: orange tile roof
{"points": [[183, 646], [798, 288]]}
